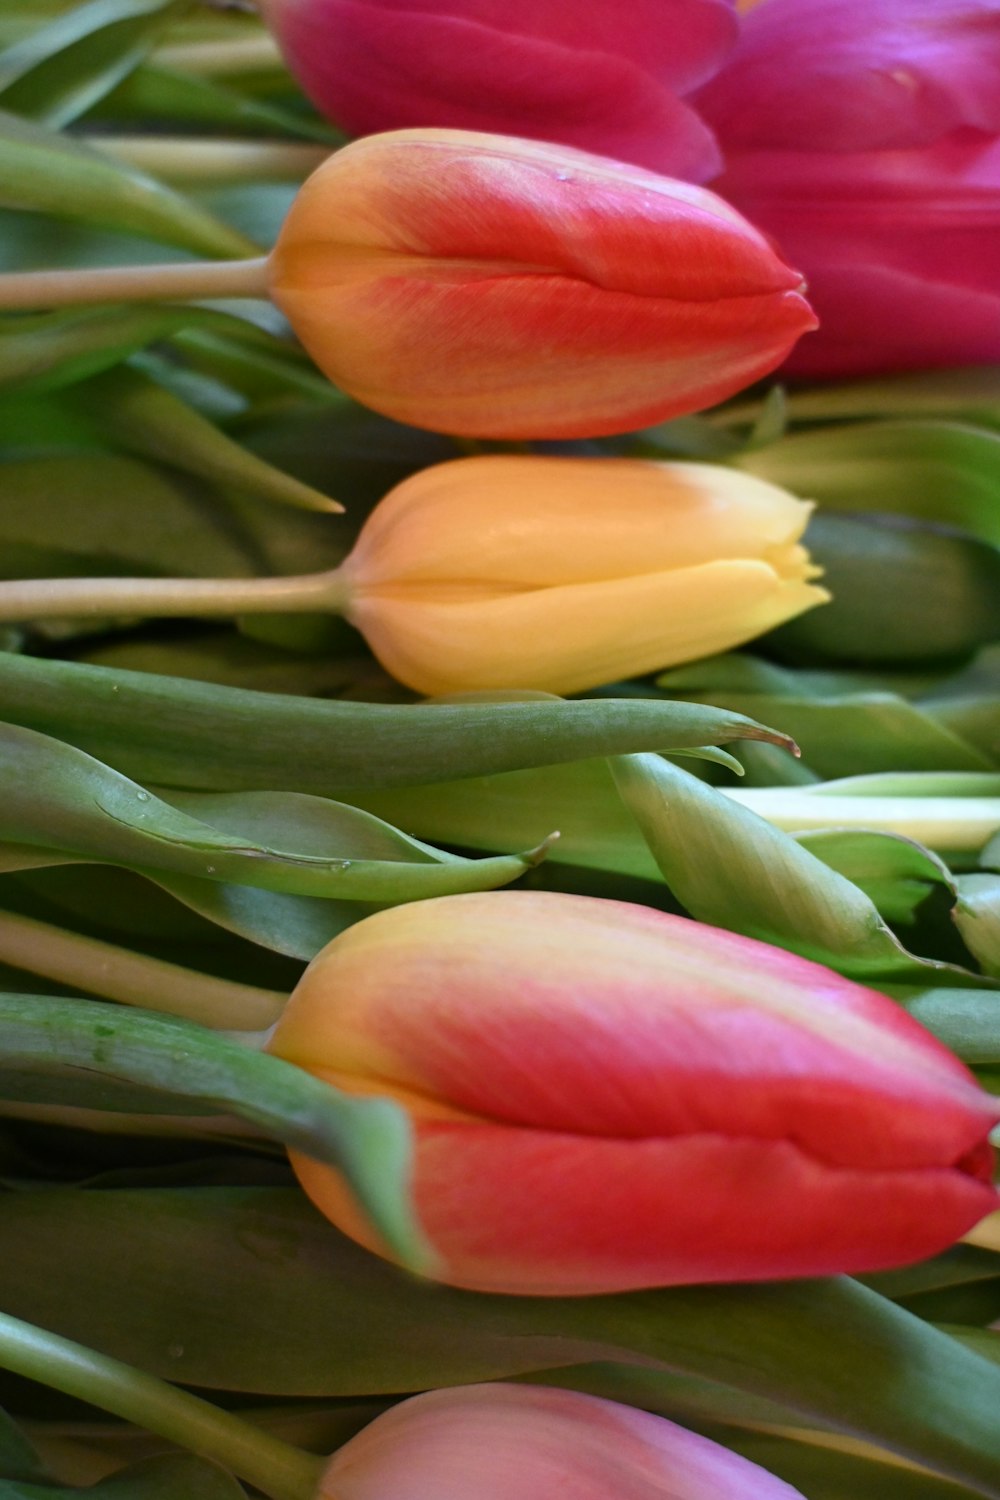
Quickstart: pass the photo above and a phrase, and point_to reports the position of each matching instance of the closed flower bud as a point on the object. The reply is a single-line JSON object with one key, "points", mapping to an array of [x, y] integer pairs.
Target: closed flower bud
{"points": [[558, 573], [607, 1097], [482, 285], [508, 1442]]}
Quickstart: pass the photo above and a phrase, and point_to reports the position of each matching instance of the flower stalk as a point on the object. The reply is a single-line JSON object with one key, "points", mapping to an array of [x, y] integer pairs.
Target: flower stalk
{"points": [[170, 597], [956, 825], [134, 978], [279, 1470], [181, 281]]}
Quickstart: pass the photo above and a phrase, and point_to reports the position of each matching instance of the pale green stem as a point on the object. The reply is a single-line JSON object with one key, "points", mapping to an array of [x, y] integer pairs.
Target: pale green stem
{"points": [[62, 598], [185, 159], [252, 54], [177, 281], [281, 1471], [952, 824], [134, 979]]}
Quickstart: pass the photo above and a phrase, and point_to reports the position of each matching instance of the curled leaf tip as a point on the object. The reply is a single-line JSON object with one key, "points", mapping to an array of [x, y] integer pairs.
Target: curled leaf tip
{"points": [[535, 856]]}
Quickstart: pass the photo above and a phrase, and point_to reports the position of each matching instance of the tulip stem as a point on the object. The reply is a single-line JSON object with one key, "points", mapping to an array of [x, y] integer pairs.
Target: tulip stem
{"points": [[187, 159], [64, 598], [275, 1467], [180, 281], [135, 978], [955, 825]]}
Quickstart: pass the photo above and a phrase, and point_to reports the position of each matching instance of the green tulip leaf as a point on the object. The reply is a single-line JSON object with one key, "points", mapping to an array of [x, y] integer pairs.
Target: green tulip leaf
{"points": [[50, 1040], [58, 72], [970, 394], [940, 471], [117, 514], [331, 1319], [200, 736], [18, 1459], [171, 1476], [156, 90], [967, 1021], [479, 812], [45, 172], [962, 1265], [977, 917], [896, 874], [72, 804], [147, 419], [47, 351], [860, 732], [732, 869], [902, 591], [297, 926]]}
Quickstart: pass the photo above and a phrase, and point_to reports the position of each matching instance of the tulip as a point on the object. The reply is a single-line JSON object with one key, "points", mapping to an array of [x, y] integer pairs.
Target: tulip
{"points": [[481, 285], [605, 1097], [864, 138], [509, 1442], [507, 571], [559, 573], [586, 75]]}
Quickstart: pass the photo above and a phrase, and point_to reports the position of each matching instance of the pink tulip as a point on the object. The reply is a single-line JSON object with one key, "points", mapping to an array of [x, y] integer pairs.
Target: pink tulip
{"points": [[605, 1097], [504, 288], [509, 1442], [605, 78], [863, 138]]}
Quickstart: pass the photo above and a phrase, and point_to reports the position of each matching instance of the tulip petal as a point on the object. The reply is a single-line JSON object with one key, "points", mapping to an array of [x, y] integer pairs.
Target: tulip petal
{"points": [[528, 1213], [656, 1026], [606, 80], [902, 249], [840, 76], [498, 521], [491, 1442], [377, 69], [570, 638]]}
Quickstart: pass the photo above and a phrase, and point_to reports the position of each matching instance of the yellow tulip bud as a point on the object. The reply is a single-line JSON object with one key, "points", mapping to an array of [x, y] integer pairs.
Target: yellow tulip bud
{"points": [[560, 573]]}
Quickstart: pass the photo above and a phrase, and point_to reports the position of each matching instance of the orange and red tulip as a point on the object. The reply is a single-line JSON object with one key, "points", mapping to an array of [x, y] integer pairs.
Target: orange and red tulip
{"points": [[605, 1097], [502, 288]]}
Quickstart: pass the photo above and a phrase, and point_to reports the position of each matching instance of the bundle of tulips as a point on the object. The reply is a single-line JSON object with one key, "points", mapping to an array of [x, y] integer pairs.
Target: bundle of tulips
{"points": [[459, 502]]}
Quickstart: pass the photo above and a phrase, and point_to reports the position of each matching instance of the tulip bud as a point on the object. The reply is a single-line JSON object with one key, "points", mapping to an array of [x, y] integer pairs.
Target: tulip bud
{"points": [[605, 1097], [482, 285], [509, 1442], [560, 573]]}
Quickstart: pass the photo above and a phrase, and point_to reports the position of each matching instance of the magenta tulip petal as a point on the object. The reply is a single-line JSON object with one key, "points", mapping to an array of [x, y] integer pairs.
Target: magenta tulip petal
{"points": [[602, 79], [902, 249], [841, 75]]}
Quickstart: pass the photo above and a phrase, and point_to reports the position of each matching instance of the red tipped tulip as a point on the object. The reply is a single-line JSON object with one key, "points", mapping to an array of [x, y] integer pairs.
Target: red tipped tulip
{"points": [[604, 78], [508, 1442], [503, 288], [605, 1097]]}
